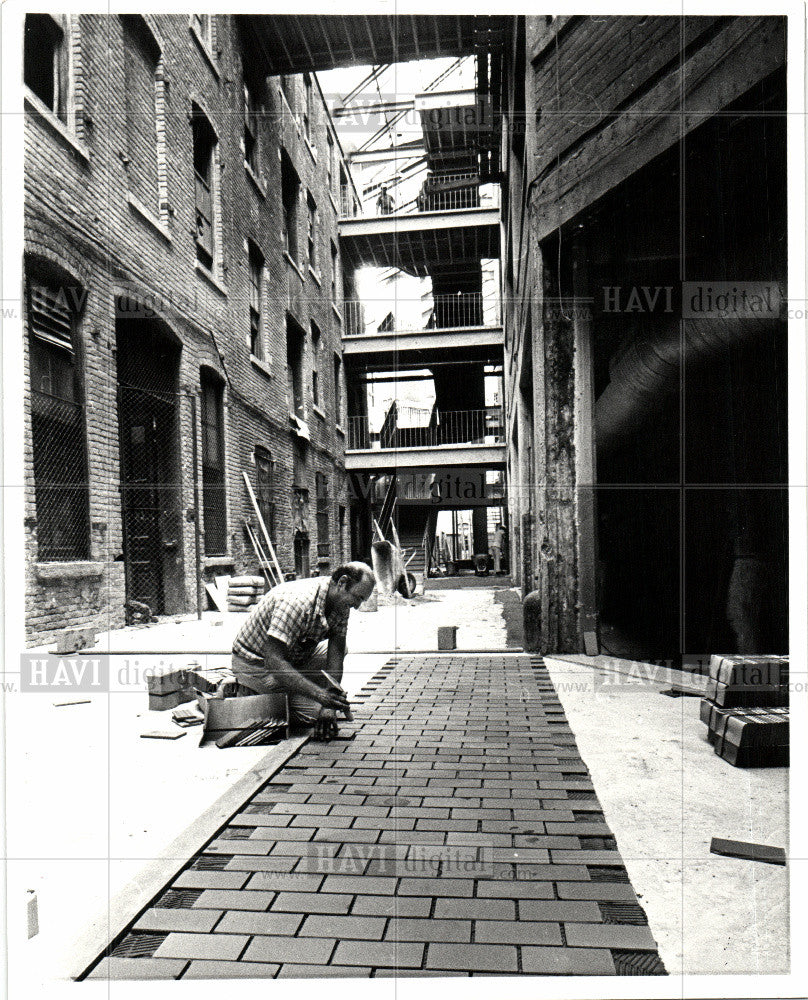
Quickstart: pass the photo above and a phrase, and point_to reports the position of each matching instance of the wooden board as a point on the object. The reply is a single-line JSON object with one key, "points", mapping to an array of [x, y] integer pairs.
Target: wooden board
{"points": [[748, 852]]}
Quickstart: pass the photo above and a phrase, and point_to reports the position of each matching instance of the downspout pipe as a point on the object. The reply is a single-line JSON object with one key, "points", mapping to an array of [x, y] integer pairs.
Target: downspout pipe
{"points": [[651, 367]]}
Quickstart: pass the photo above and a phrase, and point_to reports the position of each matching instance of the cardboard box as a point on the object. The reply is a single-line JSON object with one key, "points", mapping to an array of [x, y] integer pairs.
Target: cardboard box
{"points": [[226, 716]]}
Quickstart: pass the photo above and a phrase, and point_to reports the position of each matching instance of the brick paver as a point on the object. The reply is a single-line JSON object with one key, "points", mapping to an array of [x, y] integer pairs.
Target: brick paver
{"points": [[457, 834]]}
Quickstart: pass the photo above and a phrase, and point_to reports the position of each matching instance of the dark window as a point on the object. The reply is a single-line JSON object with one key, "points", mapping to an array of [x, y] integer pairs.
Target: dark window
{"points": [[302, 568], [57, 427], [252, 113], [265, 488], [307, 114], [300, 477], [204, 144], [294, 360], [334, 272], [315, 364], [330, 165], [323, 526], [312, 232], [45, 62], [213, 479], [345, 198], [518, 115], [256, 265], [290, 194], [141, 58], [337, 390]]}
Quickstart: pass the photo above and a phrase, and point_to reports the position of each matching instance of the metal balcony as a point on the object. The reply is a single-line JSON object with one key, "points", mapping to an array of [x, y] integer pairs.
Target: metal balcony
{"points": [[461, 311], [429, 429], [445, 192]]}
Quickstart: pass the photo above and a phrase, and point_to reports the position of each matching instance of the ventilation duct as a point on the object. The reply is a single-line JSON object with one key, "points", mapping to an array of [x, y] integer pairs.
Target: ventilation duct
{"points": [[650, 369]]}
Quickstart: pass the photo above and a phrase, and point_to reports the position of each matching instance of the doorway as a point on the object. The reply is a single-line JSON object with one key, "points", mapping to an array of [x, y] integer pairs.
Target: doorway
{"points": [[148, 405]]}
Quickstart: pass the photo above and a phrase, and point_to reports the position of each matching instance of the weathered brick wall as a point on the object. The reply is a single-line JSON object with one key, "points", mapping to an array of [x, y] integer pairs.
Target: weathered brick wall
{"points": [[78, 216]]}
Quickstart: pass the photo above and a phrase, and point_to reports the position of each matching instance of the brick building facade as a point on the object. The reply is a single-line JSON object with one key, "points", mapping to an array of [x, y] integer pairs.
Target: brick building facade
{"points": [[181, 264]]}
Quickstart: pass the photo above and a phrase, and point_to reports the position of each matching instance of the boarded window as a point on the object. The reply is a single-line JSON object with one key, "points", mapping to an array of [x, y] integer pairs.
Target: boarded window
{"points": [[57, 427], [213, 478], [141, 57]]}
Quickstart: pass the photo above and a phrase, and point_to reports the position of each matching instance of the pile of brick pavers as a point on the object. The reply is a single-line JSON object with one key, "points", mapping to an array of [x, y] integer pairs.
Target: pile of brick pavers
{"points": [[746, 710]]}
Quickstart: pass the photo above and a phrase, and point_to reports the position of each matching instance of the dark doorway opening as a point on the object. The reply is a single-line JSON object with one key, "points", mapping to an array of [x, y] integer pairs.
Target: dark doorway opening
{"points": [[151, 490]]}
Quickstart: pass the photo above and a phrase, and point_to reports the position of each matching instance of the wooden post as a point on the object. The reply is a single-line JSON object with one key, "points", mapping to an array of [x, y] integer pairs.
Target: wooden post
{"points": [[585, 458]]}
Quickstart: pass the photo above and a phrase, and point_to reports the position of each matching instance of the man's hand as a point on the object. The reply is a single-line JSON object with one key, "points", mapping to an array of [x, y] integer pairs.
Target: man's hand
{"points": [[326, 725], [335, 699]]}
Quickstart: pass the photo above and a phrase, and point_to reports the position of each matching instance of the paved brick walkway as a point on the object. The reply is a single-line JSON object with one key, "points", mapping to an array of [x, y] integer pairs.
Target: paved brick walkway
{"points": [[457, 834]]}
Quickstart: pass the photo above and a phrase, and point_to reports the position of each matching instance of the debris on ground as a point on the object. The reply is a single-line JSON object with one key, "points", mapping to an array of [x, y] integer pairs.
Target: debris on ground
{"points": [[748, 852], [162, 734]]}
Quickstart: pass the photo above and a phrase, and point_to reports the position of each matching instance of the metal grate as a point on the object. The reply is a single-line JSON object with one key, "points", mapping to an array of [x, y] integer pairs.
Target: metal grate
{"points": [[623, 913], [178, 899], [211, 862], [136, 945], [580, 796], [608, 873], [587, 817], [638, 963], [236, 833]]}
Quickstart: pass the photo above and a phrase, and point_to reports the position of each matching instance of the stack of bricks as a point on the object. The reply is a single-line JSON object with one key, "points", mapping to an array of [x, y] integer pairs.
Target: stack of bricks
{"points": [[244, 591], [172, 685], [746, 710]]}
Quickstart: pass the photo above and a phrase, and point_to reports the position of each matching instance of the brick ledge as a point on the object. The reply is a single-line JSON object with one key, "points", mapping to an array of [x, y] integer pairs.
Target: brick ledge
{"points": [[68, 570]]}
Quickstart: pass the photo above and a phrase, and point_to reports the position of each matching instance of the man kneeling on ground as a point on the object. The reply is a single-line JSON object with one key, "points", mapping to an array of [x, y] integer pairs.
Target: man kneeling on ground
{"points": [[281, 646]]}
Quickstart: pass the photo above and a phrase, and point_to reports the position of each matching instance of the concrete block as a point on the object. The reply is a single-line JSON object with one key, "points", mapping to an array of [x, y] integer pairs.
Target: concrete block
{"points": [[73, 639], [447, 637]]}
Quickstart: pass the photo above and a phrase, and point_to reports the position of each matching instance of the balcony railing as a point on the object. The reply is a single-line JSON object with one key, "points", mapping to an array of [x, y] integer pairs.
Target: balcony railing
{"points": [[439, 193], [446, 428], [465, 310]]}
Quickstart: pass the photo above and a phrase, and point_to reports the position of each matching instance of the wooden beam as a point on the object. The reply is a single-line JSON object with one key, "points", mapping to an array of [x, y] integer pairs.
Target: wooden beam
{"points": [[746, 51]]}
